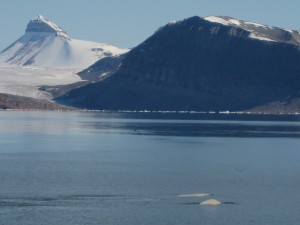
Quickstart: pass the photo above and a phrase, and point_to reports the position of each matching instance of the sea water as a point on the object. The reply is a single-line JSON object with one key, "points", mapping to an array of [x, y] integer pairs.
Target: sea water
{"points": [[92, 168]]}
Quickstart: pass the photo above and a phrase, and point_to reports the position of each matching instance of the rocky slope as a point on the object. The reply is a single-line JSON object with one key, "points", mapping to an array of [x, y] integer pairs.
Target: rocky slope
{"points": [[17, 102], [200, 64], [102, 69], [259, 31]]}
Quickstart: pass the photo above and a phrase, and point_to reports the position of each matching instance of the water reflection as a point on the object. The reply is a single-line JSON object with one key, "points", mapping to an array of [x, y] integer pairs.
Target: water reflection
{"points": [[161, 124], [204, 128]]}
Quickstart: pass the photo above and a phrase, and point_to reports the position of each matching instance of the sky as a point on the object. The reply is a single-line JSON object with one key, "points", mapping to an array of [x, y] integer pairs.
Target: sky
{"points": [[127, 23]]}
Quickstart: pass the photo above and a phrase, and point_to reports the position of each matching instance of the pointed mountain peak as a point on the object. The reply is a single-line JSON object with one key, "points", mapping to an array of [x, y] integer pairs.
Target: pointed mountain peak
{"points": [[40, 24], [39, 17]]}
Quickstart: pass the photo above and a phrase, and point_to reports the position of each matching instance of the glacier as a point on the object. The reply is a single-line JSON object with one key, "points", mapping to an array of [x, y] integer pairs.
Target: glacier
{"points": [[47, 55]]}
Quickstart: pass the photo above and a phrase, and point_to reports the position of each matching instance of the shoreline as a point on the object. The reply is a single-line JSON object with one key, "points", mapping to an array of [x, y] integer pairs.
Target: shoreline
{"points": [[154, 111]]}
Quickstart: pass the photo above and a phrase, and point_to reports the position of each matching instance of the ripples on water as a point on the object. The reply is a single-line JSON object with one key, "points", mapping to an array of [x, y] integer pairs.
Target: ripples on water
{"points": [[128, 168]]}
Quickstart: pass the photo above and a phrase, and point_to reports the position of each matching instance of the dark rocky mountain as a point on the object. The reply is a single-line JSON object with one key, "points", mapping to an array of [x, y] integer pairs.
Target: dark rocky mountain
{"points": [[203, 64]]}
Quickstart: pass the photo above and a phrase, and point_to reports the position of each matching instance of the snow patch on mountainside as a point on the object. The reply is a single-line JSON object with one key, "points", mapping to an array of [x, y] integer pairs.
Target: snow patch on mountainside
{"points": [[258, 25], [216, 19], [172, 22], [234, 21], [254, 36]]}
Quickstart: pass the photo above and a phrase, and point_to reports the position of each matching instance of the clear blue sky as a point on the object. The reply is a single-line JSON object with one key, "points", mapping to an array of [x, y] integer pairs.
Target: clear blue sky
{"points": [[126, 23]]}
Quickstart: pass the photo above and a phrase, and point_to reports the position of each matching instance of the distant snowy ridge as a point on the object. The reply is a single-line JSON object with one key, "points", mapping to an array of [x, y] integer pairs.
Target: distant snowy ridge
{"points": [[256, 31], [259, 31], [47, 45]]}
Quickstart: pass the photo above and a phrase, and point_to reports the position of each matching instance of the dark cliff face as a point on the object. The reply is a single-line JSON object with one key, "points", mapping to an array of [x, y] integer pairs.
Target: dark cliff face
{"points": [[197, 65]]}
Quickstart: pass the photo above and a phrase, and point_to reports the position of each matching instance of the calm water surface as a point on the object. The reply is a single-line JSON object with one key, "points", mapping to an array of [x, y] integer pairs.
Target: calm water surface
{"points": [[68, 168]]}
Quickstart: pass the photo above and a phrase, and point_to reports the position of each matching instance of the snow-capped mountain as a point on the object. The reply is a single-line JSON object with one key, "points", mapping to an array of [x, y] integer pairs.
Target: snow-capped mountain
{"points": [[203, 64], [259, 31], [45, 44]]}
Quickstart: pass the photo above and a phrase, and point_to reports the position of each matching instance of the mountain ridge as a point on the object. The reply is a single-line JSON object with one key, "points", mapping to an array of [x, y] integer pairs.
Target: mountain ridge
{"points": [[42, 24], [196, 64], [259, 31]]}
